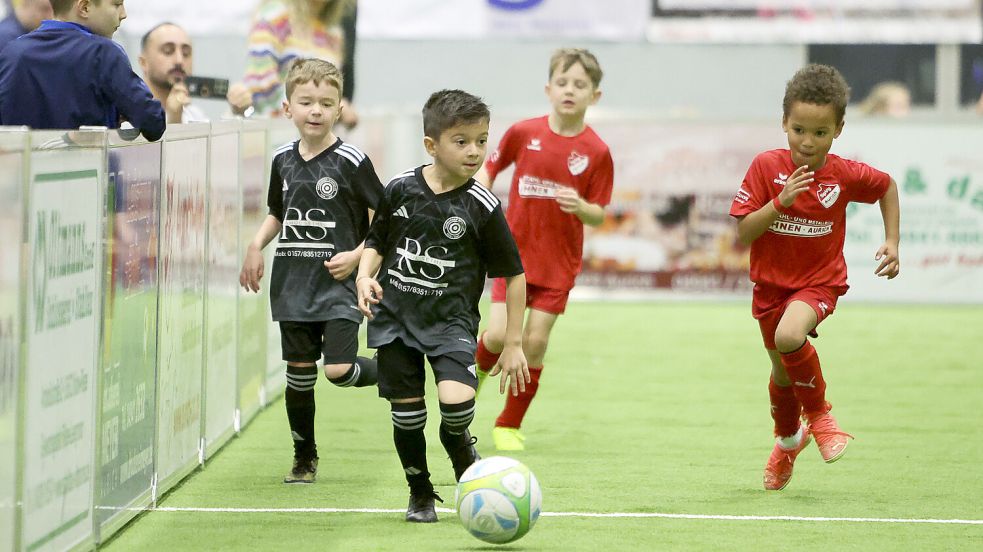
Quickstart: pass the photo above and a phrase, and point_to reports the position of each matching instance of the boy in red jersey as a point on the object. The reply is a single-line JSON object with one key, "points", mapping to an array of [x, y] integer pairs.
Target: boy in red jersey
{"points": [[562, 181], [791, 209]]}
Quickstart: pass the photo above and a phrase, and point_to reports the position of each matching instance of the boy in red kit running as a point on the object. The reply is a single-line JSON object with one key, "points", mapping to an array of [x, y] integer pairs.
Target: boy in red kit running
{"points": [[791, 209], [562, 181]]}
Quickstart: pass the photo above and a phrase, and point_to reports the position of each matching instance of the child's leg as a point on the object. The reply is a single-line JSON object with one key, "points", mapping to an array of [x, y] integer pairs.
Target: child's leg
{"points": [[401, 381], [535, 340], [341, 365], [491, 342], [456, 409], [785, 408], [799, 357], [300, 342]]}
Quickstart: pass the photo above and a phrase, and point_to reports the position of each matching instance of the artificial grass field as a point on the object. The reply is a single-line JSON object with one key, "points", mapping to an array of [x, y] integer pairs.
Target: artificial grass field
{"points": [[643, 408]]}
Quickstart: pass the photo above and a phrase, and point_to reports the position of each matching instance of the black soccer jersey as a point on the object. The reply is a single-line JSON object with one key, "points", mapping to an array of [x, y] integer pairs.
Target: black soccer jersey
{"points": [[437, 251], [322, 204]]}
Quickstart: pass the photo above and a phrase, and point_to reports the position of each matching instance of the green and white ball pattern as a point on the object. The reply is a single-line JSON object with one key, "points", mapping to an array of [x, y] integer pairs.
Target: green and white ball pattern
{"points": [[498, 499]]}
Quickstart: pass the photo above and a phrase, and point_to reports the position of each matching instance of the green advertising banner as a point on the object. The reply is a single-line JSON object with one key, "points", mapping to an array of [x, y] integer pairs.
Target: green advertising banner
{"points": [[222, 250], [254, 309], [181, 308], [129, 356], [63, 315], [12, 144]]}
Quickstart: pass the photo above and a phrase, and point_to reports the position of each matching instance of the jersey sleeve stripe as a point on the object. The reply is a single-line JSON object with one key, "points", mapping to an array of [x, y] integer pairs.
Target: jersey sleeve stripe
{"points": [[486, 193], [401, 175], [282, 148], [353, 150], [484, 201], [347, 155]]}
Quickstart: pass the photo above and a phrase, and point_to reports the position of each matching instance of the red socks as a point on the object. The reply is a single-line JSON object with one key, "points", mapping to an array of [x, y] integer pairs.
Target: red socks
{"points": [[808, 385], [515, 407], [484, 358], [785, 409]]}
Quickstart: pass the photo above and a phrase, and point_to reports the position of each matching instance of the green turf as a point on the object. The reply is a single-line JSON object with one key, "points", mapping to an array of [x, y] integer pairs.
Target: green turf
{"points": [[650, 407]]}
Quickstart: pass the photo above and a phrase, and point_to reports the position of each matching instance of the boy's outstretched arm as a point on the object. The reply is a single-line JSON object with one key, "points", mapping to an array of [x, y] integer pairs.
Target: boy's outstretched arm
{"points": [[369, 290], [252, 265], [343, 263], [751, 226], [512, 362], [887, 254]]}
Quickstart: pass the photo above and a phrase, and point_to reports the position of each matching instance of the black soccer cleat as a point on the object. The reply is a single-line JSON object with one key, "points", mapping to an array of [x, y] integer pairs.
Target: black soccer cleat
{"points": [[421, 507], [464, 455], [304, 471]]}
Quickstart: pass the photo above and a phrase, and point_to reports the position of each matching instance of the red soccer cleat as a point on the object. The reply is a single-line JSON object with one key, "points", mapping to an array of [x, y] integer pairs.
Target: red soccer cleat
{"points": [[778, 470]]}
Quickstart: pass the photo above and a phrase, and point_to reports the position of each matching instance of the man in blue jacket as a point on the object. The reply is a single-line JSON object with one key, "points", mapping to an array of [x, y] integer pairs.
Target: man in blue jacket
{"points": [[69, 73]]}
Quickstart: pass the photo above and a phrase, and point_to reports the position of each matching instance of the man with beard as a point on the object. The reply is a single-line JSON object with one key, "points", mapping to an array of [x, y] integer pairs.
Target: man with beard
{"points": [[166, 59]]}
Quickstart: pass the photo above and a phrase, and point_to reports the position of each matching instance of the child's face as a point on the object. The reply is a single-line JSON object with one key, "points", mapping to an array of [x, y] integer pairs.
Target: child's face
{"points": [[104, 17], [314, 109], [461, 149], [571, 92], [811, 129]]}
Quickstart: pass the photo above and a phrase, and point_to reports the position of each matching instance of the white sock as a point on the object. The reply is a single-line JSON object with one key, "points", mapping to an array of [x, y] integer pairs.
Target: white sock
{"points": [[792, 441]]}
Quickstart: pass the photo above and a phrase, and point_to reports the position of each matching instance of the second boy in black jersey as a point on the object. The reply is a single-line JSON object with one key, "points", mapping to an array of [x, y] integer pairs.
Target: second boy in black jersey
{"points": [[322, 193], [436, 236]]}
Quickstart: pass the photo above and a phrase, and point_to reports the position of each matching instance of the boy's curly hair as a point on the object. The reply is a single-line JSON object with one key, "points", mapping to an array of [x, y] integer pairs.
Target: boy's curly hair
{"points": [[820, 85]]}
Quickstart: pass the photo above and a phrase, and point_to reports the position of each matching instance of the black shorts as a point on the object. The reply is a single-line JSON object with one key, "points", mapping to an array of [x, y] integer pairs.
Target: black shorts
{"points": [[336, 339], [401, 373]]}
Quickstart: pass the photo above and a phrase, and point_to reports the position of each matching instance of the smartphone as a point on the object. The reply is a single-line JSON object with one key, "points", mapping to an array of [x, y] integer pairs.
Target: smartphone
{"points": [[207, 87]]}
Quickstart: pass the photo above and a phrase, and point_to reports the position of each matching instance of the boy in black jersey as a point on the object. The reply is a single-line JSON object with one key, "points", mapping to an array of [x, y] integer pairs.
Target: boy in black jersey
{"points": [[436, 236], [322, 194]]}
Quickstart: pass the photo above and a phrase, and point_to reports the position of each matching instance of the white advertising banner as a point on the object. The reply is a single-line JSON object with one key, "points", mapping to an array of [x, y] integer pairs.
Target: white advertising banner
{"points": [[181, 308], [62, 315], [223, 278], [12, 146], [614, 20]]}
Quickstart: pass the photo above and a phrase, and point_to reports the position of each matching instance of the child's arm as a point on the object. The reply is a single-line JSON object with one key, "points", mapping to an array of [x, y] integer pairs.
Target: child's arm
{"points": [[888, 252], [512, 363], [369, 290], [752, 226], [252, 266], [343, 263], [570, 201]]}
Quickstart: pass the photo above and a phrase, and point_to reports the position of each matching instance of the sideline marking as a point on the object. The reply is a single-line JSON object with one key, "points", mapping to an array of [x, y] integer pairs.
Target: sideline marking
{"points": [[573, 514]]}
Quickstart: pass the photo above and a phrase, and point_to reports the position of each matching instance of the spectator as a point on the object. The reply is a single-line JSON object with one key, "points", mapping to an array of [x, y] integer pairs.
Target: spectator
{"points": [[889, 99], [286, 29], [68, 73], [24, 17], [166, 59]]}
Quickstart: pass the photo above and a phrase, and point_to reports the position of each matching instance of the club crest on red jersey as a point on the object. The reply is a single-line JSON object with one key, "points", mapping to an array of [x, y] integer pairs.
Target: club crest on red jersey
{"points": [[828, 193], [577, 163]]}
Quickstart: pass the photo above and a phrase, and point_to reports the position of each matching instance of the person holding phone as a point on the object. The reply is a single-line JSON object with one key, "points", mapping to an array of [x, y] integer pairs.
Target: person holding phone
{"points": [[166, 58]]}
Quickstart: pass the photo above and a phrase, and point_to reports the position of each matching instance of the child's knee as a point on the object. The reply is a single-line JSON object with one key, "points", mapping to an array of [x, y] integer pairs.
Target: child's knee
{"points": [[334, 371], [788, 339]]}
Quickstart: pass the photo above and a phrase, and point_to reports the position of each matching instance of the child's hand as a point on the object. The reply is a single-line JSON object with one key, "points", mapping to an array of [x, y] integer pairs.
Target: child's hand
{"points": [[569, 200], [252, 270], [342, 264], [514, 369], [890, 262], [797, 183], [369, 293]]}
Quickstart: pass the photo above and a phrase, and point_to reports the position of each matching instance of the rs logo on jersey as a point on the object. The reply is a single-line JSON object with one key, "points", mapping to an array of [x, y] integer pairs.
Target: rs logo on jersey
{"points": [[828, 193], [577, 163]]}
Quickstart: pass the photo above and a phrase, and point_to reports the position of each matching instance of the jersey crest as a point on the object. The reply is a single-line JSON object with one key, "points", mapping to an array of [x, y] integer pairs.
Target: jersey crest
{"points": [[326, 188], [455, 227], [828, 194], [577, 163]]}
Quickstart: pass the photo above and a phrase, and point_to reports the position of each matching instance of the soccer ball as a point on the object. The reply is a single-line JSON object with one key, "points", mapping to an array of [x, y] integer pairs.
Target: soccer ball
{"points": [[498, 499]]}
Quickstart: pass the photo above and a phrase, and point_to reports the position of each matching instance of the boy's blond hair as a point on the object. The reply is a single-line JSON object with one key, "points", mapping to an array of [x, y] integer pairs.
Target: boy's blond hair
{"points": [[564, 58], [317, 71], [820, 85]]}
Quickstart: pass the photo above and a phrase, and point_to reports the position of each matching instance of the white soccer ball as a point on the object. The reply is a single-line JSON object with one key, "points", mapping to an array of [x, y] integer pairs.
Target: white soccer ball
{"points": [[498, 499]]}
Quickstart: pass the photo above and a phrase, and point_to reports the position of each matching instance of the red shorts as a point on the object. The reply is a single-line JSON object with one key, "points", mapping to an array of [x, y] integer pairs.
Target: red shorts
{"points": [[553, 301], [770, 303]]}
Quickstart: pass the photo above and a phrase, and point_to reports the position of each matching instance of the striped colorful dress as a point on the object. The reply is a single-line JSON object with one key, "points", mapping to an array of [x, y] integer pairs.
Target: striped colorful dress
{"points": [[273, 45]]}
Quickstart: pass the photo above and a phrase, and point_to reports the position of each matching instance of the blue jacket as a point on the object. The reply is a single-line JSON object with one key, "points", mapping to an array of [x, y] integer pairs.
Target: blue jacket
{"points": [[61, 76]]}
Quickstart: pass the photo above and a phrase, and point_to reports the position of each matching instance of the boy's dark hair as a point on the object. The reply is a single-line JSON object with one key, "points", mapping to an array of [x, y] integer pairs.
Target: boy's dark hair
{"points": [[60, 7], [820, 85], [447, 108], [564, 58]]}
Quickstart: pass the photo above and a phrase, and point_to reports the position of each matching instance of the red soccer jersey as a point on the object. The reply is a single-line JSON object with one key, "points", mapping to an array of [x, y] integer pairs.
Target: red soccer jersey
{"points": [[550, 241], [804, 246]]}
